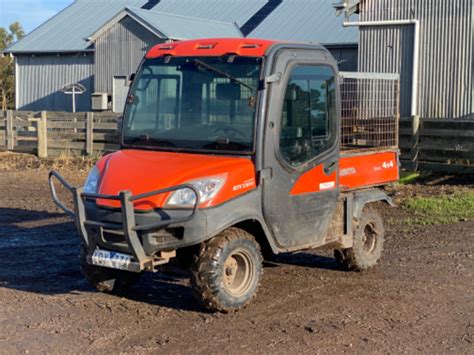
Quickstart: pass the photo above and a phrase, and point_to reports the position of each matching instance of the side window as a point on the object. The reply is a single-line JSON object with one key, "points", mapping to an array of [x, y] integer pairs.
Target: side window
{"points": [[308, 118]]}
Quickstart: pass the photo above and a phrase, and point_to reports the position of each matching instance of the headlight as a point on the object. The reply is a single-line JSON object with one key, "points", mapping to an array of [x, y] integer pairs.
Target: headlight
{"points": [[208, 188], [92, 181]]}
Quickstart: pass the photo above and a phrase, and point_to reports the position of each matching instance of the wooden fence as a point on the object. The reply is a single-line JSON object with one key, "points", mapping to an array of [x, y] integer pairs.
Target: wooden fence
{"points": [[444, 145], [53, 133], [427, 144]]}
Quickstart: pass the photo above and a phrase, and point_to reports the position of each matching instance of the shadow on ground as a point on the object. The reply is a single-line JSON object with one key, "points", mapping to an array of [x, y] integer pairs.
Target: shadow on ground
{"points": [[39, 253]]}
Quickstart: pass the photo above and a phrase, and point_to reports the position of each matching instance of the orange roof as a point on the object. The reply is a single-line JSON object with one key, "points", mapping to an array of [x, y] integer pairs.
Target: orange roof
{"points": [[212, 47]]}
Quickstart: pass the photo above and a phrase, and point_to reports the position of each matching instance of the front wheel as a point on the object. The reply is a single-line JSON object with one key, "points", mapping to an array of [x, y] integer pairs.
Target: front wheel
{"points": [[368, 243], [227, 271], [106, 279]]}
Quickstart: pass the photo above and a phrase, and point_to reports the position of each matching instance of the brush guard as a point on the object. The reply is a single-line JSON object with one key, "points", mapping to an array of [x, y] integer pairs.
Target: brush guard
{"points": [[129, 228]]}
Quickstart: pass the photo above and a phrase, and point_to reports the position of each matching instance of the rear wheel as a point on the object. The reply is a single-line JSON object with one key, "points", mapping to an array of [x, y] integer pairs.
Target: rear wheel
{"points": [[368, 243], [106, 279], [227, 271]]}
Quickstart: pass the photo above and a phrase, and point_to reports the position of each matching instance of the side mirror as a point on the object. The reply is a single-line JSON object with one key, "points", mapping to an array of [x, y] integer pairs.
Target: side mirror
{"points": [[131, 77]]}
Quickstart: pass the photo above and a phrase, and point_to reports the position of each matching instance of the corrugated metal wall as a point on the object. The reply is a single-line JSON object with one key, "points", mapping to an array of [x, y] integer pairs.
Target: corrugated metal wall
{"points": [[119, 52], [346, 56], [446, 69], [41, 77]]}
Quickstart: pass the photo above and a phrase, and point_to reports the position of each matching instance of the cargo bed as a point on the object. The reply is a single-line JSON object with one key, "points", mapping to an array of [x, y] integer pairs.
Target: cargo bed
{"points": [[369, 130]]}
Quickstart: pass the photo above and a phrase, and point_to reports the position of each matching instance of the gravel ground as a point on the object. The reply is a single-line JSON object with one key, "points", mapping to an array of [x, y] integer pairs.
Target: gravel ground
{"points": [[420, 298]]}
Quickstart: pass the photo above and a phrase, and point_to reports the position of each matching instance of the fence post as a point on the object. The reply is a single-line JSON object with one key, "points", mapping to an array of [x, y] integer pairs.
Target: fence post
{"points": [[415, 141], [10, 133], [89, 133], [42, 135]]}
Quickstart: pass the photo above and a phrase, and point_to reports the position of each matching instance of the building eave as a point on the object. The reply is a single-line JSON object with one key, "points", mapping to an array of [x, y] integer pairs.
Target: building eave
{"points": [[72, 51], [341, 45], [120, 16]]}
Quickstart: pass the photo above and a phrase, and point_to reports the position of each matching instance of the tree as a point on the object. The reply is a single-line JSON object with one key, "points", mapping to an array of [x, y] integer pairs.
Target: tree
{"points": [[7, 68]]}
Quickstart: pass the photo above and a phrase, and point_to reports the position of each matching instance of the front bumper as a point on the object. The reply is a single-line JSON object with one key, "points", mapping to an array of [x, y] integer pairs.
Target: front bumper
{"points": [[140, 234]]}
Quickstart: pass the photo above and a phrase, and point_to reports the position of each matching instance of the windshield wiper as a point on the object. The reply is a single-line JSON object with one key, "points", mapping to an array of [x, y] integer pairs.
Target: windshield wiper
{"points": [[223, 73], [145, 138], [225, 142]]}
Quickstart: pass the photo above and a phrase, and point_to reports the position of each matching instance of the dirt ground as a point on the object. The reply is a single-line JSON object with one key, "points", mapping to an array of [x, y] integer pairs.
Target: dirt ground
{"points": [[420, 298]]}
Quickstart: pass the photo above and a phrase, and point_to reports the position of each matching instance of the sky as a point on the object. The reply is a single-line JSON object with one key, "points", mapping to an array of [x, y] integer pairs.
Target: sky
{"points": [[30, 13]]}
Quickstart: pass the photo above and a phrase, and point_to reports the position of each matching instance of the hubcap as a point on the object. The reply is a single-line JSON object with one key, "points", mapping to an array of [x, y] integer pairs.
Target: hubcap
{"points": [[369, 239], [238, 273]]}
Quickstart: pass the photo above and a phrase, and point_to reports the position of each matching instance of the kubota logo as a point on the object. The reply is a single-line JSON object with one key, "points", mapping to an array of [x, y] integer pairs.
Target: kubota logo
{"points": [[348, 171], [244, 185]]}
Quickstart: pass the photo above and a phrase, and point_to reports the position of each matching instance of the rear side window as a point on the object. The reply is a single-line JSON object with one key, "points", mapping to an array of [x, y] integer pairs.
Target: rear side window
{"points": [[308, 118]]}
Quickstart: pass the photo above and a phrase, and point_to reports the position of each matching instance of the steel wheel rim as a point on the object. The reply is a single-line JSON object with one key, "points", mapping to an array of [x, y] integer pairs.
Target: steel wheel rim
{"points": [[369, 239], [238, 273]]}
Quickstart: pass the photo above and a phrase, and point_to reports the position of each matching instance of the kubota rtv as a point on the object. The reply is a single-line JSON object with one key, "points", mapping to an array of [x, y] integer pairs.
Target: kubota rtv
{"points": [[232, 149]]}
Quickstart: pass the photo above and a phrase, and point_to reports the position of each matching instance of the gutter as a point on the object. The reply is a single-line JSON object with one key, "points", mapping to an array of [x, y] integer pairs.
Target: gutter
{"points": [[416, 52], [49, 52]]}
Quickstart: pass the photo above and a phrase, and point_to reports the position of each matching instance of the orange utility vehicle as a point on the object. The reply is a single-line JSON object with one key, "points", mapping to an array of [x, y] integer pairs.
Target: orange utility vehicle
{"points": [[232, 149]]}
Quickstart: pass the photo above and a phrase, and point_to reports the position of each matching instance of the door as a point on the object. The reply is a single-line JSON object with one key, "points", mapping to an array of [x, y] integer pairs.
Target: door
{"points": [[119, 94], [301, 149]]}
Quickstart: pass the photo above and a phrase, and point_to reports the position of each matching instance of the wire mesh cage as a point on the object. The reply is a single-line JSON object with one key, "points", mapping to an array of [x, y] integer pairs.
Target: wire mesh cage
{"points": [[369, 110]]}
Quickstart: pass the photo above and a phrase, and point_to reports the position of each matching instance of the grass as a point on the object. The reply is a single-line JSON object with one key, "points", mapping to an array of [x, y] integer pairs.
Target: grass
{"points": [[444, 209], [66, 160], [409, 177]]}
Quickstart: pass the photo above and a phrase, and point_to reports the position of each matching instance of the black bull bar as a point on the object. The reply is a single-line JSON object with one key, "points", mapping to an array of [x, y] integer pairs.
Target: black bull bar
{"points": [[129, 228]]}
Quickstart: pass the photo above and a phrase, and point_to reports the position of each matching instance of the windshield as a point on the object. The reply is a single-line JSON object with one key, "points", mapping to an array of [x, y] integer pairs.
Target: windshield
{"points": [[193, 103]]}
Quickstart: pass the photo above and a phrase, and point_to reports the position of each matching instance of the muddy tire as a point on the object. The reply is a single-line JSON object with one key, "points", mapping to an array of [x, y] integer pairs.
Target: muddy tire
{"points": [[368, 243], [227, 271], [106, 279]]}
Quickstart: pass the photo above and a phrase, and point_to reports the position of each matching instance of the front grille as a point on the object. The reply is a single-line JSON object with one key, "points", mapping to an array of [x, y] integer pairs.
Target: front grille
{"points": [[114, 238]]}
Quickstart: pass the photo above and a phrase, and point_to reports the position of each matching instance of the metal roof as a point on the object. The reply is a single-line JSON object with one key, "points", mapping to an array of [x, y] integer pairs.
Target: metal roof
{"points": [[185, 27], [296, 20], [306, 21], [238, 11], [67, 30]]}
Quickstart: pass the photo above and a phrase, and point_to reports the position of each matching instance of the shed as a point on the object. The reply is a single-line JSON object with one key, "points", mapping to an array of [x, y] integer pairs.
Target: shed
{"points": [[121, 43], [431, 45], [100, 43], [97, 44]]}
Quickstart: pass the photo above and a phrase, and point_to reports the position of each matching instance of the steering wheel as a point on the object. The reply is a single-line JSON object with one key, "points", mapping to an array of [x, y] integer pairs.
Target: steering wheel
{"points": [[227, 129]]}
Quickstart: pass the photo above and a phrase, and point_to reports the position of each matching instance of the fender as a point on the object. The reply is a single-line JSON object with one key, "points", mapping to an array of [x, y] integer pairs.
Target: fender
{"points": [[255, 219], [364, 197], [353, 207], [241, 209]]}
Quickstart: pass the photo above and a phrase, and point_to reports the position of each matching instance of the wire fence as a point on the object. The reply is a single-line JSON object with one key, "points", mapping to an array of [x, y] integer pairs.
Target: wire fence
{"points": [[369, 110]]}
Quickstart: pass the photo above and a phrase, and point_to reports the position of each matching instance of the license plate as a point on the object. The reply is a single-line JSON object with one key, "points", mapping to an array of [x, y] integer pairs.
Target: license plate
{"points": [[111, 259]]}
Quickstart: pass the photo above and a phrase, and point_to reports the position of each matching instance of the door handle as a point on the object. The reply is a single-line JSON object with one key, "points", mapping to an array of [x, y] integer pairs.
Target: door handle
{"points": [[330, 167]]}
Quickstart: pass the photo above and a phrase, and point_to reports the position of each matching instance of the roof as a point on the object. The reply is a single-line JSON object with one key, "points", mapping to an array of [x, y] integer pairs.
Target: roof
{"points": [[306, 21], [212, 47], [67, 30], [294, 20], [238, 11], [174, 26]]}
